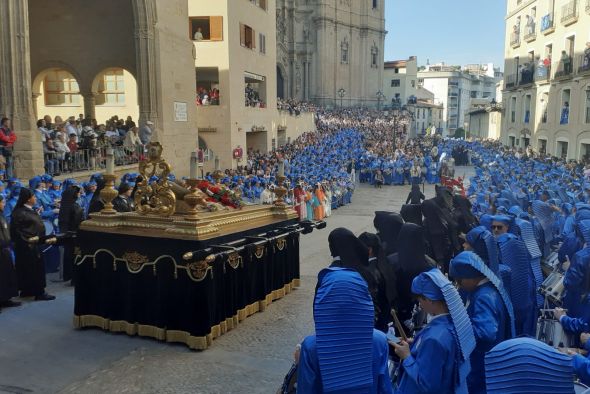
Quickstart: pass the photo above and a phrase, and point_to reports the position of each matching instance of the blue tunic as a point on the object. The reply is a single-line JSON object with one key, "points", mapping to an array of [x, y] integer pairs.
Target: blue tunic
{"points": [[576, 299], [489, 319], [582, 368], [309, 380], [432, 366]]}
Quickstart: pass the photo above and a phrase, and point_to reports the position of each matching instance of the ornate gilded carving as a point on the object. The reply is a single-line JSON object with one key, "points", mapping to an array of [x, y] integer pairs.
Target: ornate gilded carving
{"points": [[135, 260], [198, 270], [235, 260], [259, 252], [155, 197], [281, 243]]}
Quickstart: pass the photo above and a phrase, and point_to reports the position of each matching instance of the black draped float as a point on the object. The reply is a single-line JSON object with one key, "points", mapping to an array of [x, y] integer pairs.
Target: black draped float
{"points": [[143, 286]]}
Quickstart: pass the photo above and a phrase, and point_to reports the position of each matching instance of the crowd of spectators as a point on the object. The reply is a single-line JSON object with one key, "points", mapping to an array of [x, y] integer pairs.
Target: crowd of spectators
{"points": [[78, 144], [295, 107], [207, 96], [252, 97]]}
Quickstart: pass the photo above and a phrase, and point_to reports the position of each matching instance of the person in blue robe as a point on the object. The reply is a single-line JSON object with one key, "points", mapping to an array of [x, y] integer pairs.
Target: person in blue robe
{"points": [[515, 255], [11, 203], [525, 365], [575, 281], [89, 189], [482, 242], [343, 357], [489, 308], [437, 360]]}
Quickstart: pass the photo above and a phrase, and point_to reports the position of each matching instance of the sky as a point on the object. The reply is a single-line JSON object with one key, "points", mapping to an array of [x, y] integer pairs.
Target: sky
{"points": [[456, 32]]}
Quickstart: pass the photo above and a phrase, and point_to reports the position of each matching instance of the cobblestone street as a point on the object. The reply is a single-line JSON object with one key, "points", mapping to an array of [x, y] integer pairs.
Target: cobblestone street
{"points": [[42, 353]]}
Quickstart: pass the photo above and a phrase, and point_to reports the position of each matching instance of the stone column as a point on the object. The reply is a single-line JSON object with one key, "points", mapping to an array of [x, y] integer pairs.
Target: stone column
{"points": [[90, 105], [16, 98], [145, 52], [35, 97]]}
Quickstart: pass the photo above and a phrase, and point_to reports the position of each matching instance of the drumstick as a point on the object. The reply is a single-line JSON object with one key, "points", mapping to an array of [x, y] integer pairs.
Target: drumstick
{"points": [[398, 325]]}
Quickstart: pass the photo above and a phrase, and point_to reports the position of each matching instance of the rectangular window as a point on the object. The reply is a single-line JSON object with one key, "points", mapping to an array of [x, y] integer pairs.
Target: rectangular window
{"points": [[259, 3], [111, 88], [247, 36], [206, 28], [395, 83], [61, 88], [587, 106], [413, 83], [344, 54], [374, 4], [262, 43], [513, 109], [374, 59]]}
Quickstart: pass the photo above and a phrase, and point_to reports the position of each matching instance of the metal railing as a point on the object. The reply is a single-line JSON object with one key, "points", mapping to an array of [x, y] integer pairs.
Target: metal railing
{"points": [[547, 22], [543, 73], [569, 11], [91, 159], [527, 75], [584, 63], [564, 69], [530, 32], [515, 39], [510, 81]]}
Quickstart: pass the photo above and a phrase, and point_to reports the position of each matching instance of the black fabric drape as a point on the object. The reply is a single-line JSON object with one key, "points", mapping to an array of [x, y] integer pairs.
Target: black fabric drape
{"points": [[30, 269], [8, 283], [163, 297]]}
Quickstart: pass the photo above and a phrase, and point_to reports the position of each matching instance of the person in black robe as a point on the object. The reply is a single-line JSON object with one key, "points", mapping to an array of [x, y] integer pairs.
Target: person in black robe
{"points": [[409, 262], [441, 227], [415, 196], [8, 283], [27, 231], [349, 252], [122, 202], [70, 216], [464, 217], [97, 203], [388, 225], [386, 292]]}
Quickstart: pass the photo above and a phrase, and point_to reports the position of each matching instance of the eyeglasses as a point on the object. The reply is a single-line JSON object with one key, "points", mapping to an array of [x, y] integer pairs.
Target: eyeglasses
{"points": [[500, 227]]}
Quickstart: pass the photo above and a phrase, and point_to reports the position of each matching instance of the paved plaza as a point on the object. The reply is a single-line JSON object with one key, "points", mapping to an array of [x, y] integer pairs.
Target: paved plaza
{"points": [[42, 353]]}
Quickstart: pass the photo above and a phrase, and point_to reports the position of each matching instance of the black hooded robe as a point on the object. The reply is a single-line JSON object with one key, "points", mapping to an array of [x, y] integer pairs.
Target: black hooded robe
{"points": [[8, 282], [30, 269], [70, 217]]}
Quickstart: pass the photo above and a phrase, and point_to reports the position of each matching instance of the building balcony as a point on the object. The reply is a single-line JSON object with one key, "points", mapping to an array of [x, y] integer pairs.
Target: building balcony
{"points": [[543, 74], [547, 24], [584, 64], [530, 34], [510, 81], [515, 39], [564, 70], [569, 13], [527, 75], [453, 94]]}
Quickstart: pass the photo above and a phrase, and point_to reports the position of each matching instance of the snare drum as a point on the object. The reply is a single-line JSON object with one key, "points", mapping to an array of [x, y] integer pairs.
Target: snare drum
{"points": [[551, 332], [552, 261], [552, 287]]}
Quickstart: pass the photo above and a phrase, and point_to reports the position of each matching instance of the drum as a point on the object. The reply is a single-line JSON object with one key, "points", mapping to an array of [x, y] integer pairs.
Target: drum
{"points": [[552, 287], [580, 388], [552, 261], [551, 332]]}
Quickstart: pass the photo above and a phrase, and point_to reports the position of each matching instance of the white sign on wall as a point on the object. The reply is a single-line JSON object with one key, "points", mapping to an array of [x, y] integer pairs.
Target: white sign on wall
{"points": [[180, 112]]}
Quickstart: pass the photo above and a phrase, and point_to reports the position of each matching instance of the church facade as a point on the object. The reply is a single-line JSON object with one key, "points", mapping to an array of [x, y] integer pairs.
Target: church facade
{"points": [[331, 51]]}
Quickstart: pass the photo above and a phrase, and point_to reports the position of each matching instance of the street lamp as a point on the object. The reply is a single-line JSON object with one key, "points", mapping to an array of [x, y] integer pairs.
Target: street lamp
{"points": [[341, 94], [380, 96]]}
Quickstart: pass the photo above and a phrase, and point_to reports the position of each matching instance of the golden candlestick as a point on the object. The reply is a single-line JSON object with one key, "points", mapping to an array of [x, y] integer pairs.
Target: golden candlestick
{"points": [[280, 191], [108, 194]]}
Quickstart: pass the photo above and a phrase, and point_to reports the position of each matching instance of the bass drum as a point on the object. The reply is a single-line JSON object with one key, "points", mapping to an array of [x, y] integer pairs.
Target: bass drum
{"points": [[551, 332], [552, 287]]}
